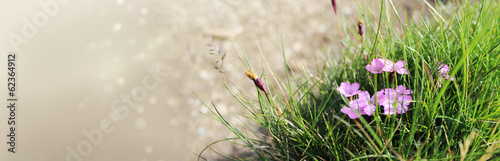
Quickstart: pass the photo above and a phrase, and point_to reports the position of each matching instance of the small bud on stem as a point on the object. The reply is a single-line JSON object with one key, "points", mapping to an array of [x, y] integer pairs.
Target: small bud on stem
{"points": [[334, 4], [361, 29]]}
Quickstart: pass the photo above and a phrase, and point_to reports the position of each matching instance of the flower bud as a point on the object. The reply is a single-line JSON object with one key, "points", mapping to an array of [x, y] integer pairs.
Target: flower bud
{"points": [[251, 75], [260, 84], [334, 4], [361, 29]]}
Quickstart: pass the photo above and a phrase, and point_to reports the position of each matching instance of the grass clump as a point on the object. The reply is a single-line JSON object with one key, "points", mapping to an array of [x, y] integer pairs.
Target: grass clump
{"points": [[452, 60]]}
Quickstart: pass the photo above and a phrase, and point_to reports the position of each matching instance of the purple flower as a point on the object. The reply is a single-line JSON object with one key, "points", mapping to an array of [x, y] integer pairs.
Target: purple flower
{"points": [[380, 64], [400, 67], [388, 65], [352, 113], [375, 66], [395, 101], [386, 94], [402, 90], [366, 103], [443, 74], [399, 104], [348, 89]]}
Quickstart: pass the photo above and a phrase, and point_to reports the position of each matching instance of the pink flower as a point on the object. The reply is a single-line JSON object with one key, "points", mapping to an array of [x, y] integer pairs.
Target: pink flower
{"points": [[398, 104], [386, 94], [400, 67], [402, 90], [443, 73], [388, 65], [348, 89], [352, 113], [395, 101], [366, 103], [380, 64], [375, 66], [355, 109]]}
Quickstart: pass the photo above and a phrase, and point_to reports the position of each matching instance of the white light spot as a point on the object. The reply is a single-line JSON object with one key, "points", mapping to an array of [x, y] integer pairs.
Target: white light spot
{"points": [[140, 123], [140, 109], [117, 27], [204, 110], [148, 149], [205, 75], [119, 2], [120, 81], [153, 100], [144, 11], [201, 131]]}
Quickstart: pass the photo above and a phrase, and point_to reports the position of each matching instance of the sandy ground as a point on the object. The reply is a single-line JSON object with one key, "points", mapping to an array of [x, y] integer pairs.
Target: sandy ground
{"points": [[77, 70]]}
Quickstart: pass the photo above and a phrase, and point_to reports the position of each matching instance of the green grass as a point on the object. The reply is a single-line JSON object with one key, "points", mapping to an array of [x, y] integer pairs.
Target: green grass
{"points": [[458, 121]]}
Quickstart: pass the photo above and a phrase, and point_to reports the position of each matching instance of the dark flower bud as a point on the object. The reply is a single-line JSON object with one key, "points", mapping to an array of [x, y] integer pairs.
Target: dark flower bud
{"points": [[260, 84], [334, 4], [361, 29]]}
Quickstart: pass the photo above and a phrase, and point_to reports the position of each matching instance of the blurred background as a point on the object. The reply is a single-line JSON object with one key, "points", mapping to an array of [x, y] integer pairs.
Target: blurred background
{"points": [[125, 80]]}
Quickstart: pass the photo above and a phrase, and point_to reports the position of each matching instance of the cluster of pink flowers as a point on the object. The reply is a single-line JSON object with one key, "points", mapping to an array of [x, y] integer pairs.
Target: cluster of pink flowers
{"points": [[379, 65], [392, 100]]}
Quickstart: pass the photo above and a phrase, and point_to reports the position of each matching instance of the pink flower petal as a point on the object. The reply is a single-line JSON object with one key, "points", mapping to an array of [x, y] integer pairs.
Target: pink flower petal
{"points": [[388, 65], [351, 113], [375, 66], [348, 89], [400, 67]]}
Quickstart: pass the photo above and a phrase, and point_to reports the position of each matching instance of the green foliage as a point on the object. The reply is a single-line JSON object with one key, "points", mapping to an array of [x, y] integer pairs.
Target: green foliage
{"points": [[457, 121]]}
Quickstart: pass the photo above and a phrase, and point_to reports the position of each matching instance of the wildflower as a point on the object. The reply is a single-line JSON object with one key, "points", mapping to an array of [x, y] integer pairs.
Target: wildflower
{"points": [[397, 104], [375, 66], [443, 71], [388, 65], [361, 29], [256, 80], [386, 94], [366, 103], [334, 4], [348, 89], [395, 100], [402, 90], [352, 113], [400, 67]]}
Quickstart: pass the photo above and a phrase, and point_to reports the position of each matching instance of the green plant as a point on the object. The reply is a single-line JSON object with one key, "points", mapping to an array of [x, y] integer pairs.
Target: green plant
{"points": [[445, 120]]}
